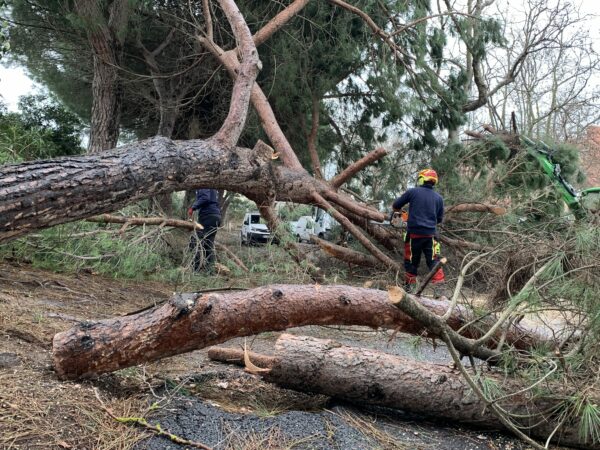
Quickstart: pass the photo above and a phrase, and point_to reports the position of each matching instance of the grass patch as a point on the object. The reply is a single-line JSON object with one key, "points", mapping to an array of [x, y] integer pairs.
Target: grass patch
{"points": [[41, 412]]}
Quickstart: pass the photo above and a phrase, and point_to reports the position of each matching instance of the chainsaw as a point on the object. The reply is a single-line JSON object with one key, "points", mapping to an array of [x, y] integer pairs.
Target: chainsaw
{"points": [[397, 219]]}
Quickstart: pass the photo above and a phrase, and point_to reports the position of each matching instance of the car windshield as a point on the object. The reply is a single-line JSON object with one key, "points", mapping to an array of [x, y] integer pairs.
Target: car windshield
{"points": [[255, 218]]}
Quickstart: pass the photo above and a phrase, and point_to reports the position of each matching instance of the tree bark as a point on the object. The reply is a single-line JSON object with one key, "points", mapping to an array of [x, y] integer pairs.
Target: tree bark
{"points": [[190, 321], [106, 33], [357, 166], [375, 378], [45, 193]]}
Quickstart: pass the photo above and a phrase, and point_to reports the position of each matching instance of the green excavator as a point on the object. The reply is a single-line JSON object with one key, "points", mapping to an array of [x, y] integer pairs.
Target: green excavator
{"points": [[580, 202]]}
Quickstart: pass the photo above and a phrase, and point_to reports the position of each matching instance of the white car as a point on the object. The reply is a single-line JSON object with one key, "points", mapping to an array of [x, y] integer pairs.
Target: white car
{"points": [[254, 230]]}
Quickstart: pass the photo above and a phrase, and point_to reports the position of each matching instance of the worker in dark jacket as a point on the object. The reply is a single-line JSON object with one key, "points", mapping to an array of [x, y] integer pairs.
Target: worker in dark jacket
{"points": [[426, 211], [209, 216]]}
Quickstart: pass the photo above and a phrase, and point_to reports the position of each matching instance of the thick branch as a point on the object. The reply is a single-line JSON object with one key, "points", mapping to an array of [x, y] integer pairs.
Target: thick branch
{"points": [[40, 194], [208, 19], [346, 202], [436, 326], [192, 321], [166, 222], [343, 220], [277, 22], [346, 254], [357, 166], [136, 221], [461, 244], [311, 138], [245, 75]]}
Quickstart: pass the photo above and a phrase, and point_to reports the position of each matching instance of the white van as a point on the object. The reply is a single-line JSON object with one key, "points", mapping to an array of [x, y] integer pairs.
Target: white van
{"points": [[254, 230], [303, 228]]}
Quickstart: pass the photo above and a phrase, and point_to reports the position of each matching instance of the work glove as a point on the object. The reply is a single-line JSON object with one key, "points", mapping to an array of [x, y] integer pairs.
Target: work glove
{"points": [[190, 212]]}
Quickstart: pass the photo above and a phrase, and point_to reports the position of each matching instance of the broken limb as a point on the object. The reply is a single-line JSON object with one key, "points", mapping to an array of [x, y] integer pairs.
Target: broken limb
{"points": [[164, 222], [347, 255], [140, 421], [343, 220], [437, 266], [192, 321], [232, 256], [357, 166], [322, 366], [136, 221], [436, 326], [462, 244]]}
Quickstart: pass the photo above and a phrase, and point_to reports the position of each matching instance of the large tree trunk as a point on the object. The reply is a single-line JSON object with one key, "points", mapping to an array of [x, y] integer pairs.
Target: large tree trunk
{"points": [[106, 33], [191, 321], [45, 193], [40, 194], [375, 378]]}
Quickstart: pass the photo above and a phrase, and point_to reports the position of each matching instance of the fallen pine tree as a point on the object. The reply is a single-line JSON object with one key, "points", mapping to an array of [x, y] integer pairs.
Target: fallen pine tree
{"points": [[371, 377], [192, 321]]}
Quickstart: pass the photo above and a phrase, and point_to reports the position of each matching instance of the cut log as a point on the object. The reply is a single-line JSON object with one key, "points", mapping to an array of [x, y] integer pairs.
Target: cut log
{"points": [[371, 377], [192, 321]]}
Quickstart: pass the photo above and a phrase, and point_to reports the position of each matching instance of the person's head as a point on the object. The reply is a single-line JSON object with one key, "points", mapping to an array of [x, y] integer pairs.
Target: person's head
{"points": [[427, 177]]}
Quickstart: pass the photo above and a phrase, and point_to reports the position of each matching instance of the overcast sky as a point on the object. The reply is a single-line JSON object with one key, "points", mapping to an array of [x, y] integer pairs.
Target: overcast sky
{"points": [[14, 81]]}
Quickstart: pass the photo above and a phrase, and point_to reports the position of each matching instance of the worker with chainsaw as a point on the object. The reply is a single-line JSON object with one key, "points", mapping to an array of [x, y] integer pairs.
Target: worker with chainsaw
{"points": [[426, 211], [203, 241]]}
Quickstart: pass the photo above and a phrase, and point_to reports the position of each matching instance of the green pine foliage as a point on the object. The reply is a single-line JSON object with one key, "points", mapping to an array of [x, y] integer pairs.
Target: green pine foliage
{"points": [[366, 93], [489, 170], [42, 129]]}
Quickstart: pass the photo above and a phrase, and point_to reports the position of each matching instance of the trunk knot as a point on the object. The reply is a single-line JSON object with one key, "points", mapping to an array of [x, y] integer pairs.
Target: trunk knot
{"points": [[87, 342], [277, 294], [212, 299], [344, 300], [439, 379], [183, 304]]}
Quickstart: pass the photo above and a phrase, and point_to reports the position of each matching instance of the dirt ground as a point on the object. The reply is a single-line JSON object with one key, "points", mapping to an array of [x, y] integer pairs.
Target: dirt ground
{"points": [[188, 395]]}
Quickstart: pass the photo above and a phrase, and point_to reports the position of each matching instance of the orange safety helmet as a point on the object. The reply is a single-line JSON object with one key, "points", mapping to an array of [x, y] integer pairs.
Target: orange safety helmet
{"points": [[427, 175]]}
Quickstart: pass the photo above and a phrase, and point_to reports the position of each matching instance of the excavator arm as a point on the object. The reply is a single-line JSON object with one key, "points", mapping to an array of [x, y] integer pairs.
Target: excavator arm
{"points": [[543, 154]]}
